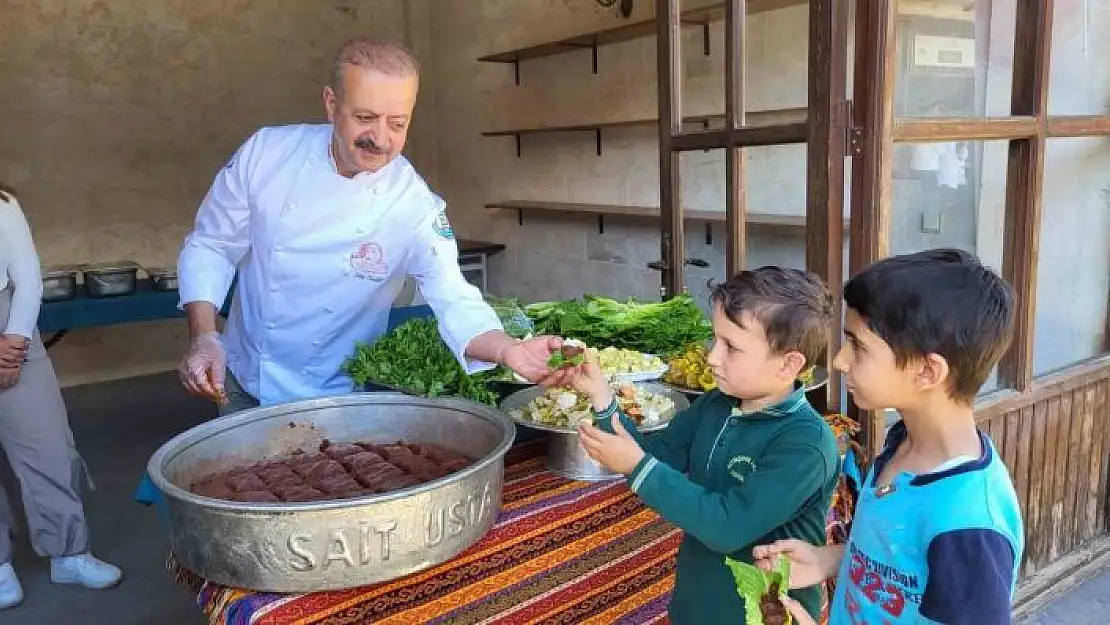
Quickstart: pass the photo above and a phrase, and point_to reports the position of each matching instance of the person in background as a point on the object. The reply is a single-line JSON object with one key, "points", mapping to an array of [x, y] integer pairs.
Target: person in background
{"points": [[937, 535], [747, 463], [34, 426], [323, 223]]}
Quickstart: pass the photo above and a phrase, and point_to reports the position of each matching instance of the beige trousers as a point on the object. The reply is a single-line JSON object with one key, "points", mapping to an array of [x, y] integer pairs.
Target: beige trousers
{"points": [[35, 435]]}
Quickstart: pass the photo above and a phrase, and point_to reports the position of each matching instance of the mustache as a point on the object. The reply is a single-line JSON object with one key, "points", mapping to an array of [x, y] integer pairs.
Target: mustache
{"points": [[367, 143]]}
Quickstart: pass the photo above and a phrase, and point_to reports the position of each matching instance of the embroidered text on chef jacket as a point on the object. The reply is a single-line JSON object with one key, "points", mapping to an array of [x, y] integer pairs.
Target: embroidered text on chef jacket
{"points": [[320, 259]]}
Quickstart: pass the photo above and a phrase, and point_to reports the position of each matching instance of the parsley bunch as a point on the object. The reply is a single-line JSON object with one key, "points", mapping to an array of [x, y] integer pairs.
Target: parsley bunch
{"points": [[413, 358]]}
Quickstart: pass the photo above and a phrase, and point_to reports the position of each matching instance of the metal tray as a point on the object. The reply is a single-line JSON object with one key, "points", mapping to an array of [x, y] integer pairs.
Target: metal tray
{"points": [[111, 279], [565, 455], [337, 544], [162, 279], [59, 282], [520, 399]]}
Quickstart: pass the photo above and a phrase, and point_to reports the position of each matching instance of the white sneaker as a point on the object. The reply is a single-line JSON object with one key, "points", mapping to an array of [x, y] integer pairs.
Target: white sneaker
{"points": [[85, 570], [11, 593]]}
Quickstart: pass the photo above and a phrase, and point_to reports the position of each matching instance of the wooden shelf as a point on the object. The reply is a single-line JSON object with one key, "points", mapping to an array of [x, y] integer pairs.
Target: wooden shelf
{"points": [[625, 32], [772, 117], [757, 221], [754, 119]]}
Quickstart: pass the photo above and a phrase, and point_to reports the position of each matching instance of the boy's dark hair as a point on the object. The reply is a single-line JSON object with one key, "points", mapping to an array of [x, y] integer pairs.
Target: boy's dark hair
{"points": [[794, 307], [941, 301]]}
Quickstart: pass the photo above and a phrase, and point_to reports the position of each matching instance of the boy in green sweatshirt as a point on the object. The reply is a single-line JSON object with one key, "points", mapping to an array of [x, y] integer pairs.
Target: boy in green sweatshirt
{"points": [[747, 464]]}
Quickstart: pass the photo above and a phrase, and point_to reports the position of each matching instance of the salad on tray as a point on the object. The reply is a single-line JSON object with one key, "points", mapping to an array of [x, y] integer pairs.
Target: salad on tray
{"points": [[629, 365], [617, 364], [567, 408]]}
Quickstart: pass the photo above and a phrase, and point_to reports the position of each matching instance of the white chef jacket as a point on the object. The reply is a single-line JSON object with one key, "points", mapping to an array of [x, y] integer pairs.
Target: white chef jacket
{"points": [[320, 259]]}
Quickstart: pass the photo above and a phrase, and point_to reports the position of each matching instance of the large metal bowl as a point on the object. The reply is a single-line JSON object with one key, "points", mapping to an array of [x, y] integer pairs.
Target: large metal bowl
{"points": [[565, 455], [331, 545]]}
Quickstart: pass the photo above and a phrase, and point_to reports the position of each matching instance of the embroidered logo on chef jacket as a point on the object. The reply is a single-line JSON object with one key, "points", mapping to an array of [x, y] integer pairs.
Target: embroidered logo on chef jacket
{"points": [[368, 262], [442, 226]]}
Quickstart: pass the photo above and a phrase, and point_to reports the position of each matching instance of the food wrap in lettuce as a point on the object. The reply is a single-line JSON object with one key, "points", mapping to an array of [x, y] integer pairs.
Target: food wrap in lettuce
{"points": [[762, 591]]}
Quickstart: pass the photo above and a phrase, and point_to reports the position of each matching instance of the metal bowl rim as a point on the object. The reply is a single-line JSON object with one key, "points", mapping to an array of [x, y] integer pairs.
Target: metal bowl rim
{"points": [[661, 389], [220, 424]]}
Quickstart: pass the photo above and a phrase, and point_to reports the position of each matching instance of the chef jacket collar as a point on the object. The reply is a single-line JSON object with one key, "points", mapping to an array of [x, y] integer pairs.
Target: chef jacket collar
{"points": [[322, 156]]}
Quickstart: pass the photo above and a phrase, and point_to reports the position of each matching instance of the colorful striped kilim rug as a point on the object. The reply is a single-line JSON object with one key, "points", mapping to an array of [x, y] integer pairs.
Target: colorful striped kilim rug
{"points": [[561, 552]]}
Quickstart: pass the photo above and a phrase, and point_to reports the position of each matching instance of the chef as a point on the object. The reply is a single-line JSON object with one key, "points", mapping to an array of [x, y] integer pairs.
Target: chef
{"points": [[322, 223]]}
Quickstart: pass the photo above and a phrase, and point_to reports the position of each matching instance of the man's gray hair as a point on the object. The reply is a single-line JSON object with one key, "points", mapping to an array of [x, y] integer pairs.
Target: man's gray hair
{"points": [[387, 57]]}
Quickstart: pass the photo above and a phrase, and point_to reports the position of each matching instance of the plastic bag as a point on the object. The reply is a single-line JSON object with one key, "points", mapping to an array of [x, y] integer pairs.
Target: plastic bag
{"points": [[511, 314]]}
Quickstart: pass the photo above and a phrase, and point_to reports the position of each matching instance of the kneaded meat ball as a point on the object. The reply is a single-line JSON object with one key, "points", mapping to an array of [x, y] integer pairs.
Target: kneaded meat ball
{"points": [[338, 450], [337, 471], [246, 483], [299, 492]]}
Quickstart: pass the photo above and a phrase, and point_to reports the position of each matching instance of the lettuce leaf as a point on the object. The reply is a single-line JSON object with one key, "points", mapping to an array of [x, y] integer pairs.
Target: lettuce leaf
{"points": [[657, 328], [753, 583], [558, 360]]}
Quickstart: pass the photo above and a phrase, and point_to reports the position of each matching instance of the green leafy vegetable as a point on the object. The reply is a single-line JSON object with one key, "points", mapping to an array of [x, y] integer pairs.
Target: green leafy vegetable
{"points": [[414, 359], [762, 591], [650, 327], [566, 357], [512, 316]]}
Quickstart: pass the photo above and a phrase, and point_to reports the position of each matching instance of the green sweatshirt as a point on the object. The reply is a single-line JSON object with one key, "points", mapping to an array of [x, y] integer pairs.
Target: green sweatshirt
{"points": [[732, 481]]}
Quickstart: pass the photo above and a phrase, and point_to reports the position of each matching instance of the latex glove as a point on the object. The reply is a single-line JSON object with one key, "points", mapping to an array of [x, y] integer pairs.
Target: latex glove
{"points": [[203, 368], [529, 359]]}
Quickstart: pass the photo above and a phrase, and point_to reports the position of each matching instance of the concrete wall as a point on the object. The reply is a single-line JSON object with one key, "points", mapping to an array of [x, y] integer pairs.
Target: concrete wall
{"points": [[561, 257], [119, 114], [116, 116], [555, 257]]}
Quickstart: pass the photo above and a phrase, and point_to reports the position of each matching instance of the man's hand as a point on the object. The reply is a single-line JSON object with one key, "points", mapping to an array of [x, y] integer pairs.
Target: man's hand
{"points": [[617, 452], [13, 350], [203, 367], [809, 565], [529, 359]]}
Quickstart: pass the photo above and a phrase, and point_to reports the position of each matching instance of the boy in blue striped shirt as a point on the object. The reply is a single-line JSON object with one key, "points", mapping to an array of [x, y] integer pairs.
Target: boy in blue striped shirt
{"points": [[937, 535]]}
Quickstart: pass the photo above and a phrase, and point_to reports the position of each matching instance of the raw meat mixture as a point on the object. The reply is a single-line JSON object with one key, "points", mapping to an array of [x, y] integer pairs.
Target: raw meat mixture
{"points": [[338, 471]]}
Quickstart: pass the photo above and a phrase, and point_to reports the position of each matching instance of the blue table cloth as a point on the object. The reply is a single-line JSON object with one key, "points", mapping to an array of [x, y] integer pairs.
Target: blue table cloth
{"points": [[82, 311]]}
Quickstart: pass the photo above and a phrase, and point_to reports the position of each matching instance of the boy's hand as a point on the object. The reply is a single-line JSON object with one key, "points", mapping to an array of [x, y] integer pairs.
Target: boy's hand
{"points": [[590, 381], [801, 617], [809, 565], [617, 452]]}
